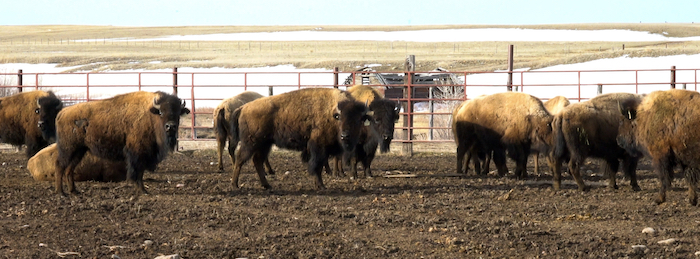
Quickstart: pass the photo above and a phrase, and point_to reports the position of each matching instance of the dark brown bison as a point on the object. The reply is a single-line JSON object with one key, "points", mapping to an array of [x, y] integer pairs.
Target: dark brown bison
{"points": [[223, 114], [663, 126], [589, 129], [511, 121], [29, 119], [42, 167], [384, 115], [553, 106], [321, 122], [139, 128]]}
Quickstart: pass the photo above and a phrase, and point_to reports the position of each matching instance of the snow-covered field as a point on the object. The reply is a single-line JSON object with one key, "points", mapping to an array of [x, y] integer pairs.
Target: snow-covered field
{"points": [[214, 84]]}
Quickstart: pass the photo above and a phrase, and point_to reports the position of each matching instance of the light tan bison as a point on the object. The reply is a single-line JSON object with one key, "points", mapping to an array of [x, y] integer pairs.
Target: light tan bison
{"points": [[511, 121]]}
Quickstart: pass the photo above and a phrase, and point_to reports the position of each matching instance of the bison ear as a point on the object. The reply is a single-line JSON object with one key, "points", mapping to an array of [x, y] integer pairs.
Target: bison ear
{"points": [[184, 111]]}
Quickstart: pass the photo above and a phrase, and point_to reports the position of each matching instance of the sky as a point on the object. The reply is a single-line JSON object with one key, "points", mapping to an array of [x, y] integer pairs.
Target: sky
{"points": [[325, 12]]}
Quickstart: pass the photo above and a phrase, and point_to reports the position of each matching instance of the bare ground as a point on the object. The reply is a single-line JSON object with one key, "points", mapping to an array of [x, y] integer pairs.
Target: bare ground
{"points": [[193, 211]]}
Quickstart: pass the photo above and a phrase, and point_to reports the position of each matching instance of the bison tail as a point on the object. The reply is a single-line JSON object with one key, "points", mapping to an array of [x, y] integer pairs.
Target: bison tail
{"points": [[220, 124], [559, 147], [234, 125]]}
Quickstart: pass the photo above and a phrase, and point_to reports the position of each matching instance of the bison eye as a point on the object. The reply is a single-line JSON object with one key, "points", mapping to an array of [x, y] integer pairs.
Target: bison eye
{"points": [[37, 110], [336, 116]]}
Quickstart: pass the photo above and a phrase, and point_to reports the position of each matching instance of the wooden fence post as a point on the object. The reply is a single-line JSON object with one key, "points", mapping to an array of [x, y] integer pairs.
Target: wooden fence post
{"points": [[673, 77], [335, 77], [19, 80], [510, 68], [175, 81], [600, 89], [407, 147]]}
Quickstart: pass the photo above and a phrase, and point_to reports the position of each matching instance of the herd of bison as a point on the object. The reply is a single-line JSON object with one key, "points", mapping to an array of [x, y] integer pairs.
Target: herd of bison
{"points": [[427, 205]]}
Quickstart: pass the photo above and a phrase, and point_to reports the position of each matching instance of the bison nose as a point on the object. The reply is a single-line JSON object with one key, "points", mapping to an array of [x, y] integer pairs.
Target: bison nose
{"points": [[41, 124], [387, 137], [344, 136]]}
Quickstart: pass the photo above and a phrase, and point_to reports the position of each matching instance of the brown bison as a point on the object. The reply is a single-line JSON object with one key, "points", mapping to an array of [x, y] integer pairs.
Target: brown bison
{"points": [[663, 126], [42, 167], [553, 106], [321, 122], [511, 121], [589, 129], [222, 125], [29, 119], [384, 115], [139, 128]]}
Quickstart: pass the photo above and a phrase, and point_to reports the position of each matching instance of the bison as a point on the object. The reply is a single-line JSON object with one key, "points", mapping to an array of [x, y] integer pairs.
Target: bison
{"points": [[320, 122], [222, 129], [501, 122], [589, 129], [42, 167], [384, 115], [663, 126], [553, 106], [29, 119], [139, 128]]}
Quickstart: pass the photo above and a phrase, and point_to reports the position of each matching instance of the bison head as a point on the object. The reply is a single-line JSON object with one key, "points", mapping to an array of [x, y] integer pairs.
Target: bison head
{"points": [[47, 108], [351, 116], [384, 115], [169, 108], [627, 128], [542, 132]]}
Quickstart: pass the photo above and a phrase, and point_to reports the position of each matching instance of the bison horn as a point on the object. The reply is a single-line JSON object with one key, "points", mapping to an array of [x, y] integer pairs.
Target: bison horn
{"points": [[370, 113], [38, 104], [183, 104], [155, 103]]}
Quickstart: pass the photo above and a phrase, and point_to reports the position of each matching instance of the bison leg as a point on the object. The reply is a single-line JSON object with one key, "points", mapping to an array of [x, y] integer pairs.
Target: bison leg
{"points": [[499, 158], [461, 152], [484, 168], [520, 154], [65, 166], [220, 142], [269, 167], [663, 169], [317, 158], [575, 170], [610, 169], [692, 175], [555, 166], [244, 153], [134, 172], [629, 167], [259, 160], [536, 161], [367, 161]]}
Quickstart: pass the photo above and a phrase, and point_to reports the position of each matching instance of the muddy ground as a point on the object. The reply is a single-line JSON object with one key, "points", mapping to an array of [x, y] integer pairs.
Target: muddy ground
{"points": [[193, 211]]}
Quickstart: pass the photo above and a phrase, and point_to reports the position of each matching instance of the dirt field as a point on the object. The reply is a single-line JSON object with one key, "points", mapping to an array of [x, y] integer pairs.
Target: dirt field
{"points": [[193, 211]]}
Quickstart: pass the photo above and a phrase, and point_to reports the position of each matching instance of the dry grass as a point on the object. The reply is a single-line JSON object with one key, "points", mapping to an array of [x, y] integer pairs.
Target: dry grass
{"points": [[56, 44]]}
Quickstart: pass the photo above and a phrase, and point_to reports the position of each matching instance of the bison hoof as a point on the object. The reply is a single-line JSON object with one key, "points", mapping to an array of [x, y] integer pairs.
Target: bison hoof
{"points": [[267, 186], [636, 188], [659, 200]]}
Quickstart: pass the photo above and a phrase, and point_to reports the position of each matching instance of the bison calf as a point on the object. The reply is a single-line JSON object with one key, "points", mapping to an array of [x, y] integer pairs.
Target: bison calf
{"points": [[319, 121], [29, 119], [42, 167], [663, 125], [139, 128]]}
